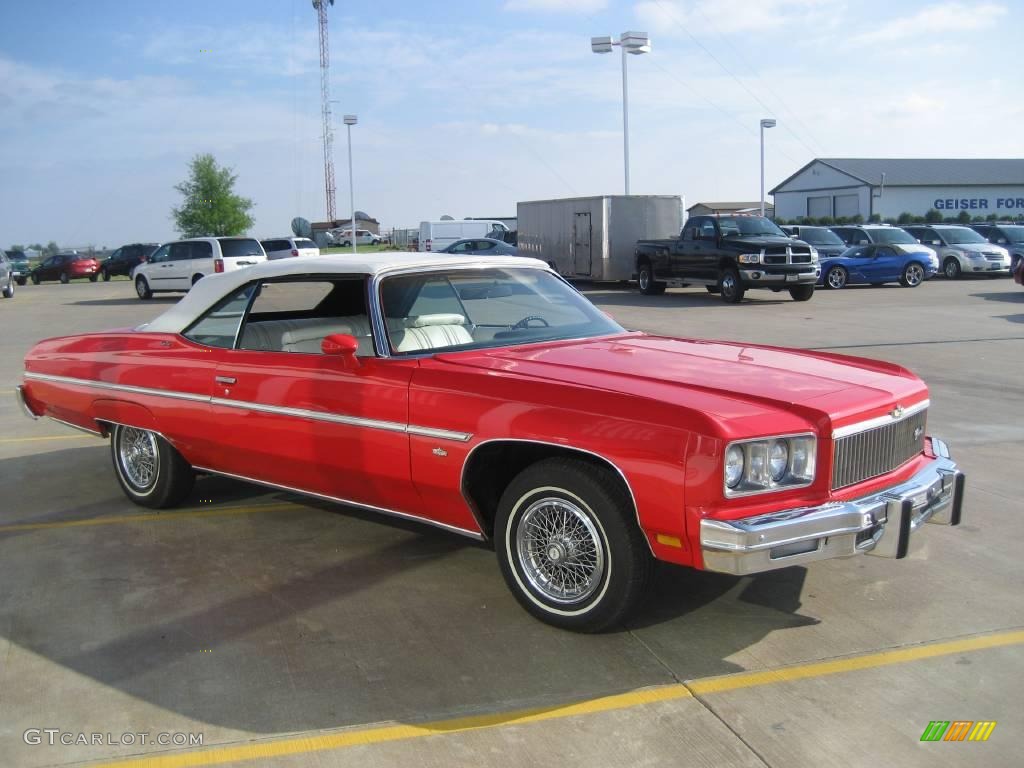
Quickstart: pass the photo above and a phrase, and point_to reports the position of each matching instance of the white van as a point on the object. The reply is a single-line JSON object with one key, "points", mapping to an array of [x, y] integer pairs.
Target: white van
{"points": [[179, 265], [438, 235]]}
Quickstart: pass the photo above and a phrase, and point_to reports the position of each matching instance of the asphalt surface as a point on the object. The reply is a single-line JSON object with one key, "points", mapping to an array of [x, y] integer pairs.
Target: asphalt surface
{"points": [[295, 633]]}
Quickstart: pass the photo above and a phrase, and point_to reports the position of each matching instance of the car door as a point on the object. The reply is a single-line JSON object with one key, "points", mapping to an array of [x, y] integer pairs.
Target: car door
{"points": [[159, 269], [310, 421]]}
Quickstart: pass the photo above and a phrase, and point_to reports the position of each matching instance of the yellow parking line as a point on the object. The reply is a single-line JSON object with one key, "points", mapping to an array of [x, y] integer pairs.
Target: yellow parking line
{"points": [[48, 437], [150, 517], [362, 737]]}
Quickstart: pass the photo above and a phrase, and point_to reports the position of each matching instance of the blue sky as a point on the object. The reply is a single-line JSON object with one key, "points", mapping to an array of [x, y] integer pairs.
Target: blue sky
{"points": [[467, 107]]}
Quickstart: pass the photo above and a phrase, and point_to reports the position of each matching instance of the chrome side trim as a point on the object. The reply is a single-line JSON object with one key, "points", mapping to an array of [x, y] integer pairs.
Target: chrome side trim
{"points": [[19, 395], [338, 500], [94, 432], [93, 384], [880, 421], [612, 464], [302, 413]]}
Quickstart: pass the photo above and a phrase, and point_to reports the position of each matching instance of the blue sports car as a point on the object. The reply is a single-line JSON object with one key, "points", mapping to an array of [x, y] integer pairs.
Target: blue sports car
{"points": [[876, 264]]}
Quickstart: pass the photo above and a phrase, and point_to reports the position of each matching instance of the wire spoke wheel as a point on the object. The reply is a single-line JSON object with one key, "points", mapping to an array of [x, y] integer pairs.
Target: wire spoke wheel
{"points": [[560, 550], [139, 457]]}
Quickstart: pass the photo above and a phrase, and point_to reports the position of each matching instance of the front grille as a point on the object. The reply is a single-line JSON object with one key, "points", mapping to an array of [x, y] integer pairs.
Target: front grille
{"points": [[801, 258], [993, 257], [775, 259], [876, 451]]}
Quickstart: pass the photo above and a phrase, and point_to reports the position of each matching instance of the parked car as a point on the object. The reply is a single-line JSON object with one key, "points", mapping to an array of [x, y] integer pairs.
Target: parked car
{"points": [[343, 237], [961, 249], [484, 246], [1009, 236], [1018, 272], [125, 259], [66, 267], [729, 255], [867, 234], [494, 401], [179, 265], [877, 264], [6, 277], [20, 266], [825, 241], [289, 247], [438, 235]]}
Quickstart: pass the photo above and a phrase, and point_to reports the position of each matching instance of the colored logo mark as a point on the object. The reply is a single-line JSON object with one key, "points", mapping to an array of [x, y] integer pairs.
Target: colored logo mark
{"points": [[958, 730]]}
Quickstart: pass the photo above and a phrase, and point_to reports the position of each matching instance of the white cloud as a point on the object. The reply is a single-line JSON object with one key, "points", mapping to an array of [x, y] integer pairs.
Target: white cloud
{"points": [[558, 6], [729, 17], [935, 19]]}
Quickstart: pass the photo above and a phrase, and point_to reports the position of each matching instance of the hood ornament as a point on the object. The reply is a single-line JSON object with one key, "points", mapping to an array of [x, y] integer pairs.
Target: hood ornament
{"points": [[896, 412]]}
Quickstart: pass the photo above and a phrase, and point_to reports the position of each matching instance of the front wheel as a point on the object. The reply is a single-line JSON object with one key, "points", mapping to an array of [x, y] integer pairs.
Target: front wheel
{"points": [[142, 288], [951, 268], [913, 275], [21, 280], [93, 278], [836, 277], [730, 287], [648, 285], [106, 276], [802, 292], [569, 546], [9, 290], [150, 471], [35, 280]]}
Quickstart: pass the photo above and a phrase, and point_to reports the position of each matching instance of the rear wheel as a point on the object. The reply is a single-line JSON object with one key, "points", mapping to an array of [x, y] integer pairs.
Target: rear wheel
{"points": [[142, 288], [569, 546], [913, 275], [21, 280], [35, 279], [64, 278], [802, 292], [151, 472], [730, 287], [9, 290], [836, 277], [93, 278], [951, 268], [648, 285], [106, 276], [196, 279]]}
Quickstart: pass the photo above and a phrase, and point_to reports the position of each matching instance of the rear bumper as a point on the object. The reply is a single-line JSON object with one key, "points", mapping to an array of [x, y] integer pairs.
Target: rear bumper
{"points": [[19, 395], [880, 524]]}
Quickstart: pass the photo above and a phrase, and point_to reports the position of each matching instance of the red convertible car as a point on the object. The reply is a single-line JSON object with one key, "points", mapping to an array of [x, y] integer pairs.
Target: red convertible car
{"points": [[491, 399]]}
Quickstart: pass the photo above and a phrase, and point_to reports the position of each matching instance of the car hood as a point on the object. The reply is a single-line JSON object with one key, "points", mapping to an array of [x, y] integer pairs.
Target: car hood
{"points": [[722, 380], [978, 248], [764, 240], [914, 248]]}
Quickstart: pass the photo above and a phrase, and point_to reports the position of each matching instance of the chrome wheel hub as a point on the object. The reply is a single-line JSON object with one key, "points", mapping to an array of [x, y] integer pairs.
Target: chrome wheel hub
{"points": [[560, 551], [139, 456], [914, 275]]}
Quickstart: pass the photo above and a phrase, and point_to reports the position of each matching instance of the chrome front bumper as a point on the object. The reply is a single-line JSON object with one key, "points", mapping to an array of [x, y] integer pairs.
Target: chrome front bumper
{"points": [[880, 524]]}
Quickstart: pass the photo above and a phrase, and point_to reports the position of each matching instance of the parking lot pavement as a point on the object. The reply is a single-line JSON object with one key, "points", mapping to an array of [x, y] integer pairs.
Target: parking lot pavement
{"points": [[299, 633]]}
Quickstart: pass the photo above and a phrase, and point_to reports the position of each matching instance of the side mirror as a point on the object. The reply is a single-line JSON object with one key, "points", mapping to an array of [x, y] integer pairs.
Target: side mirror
{"points": [[342, 345]]}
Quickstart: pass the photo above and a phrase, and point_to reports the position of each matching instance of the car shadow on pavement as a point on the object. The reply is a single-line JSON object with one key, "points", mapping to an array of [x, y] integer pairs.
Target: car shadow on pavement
{"points": [[1012, 297], [318, 616]]}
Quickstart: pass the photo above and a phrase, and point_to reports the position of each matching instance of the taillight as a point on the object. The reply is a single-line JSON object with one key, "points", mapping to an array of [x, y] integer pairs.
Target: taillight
{"points": [[218, 265], [294, 252], [428, 244]]}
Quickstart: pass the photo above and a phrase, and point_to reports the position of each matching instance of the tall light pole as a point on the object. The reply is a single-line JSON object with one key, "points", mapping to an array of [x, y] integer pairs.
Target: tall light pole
{"points": [[634, 43], [765, 123], [351, 120]]}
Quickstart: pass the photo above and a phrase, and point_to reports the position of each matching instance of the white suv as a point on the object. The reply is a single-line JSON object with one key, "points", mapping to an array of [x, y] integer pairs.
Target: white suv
{"points": [[343, 237], [179, 265], [962, 250], [288, 247]]}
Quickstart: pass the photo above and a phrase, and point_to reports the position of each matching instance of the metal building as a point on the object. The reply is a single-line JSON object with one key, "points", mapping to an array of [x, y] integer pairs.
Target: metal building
{"points": [[888, 187]]}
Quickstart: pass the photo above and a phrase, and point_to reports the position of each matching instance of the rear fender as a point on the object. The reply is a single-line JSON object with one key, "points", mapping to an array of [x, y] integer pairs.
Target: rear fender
{"points": [[109, 412]]}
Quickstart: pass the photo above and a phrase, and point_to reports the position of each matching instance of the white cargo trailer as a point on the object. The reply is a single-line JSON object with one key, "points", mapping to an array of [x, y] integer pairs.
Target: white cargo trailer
{"points": [[595, 237]]}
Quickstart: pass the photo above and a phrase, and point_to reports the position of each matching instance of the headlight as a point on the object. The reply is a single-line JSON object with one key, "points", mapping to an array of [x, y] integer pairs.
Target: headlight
{"points": [[733, 466], [750, 258], [772, 464], [814, 255]]}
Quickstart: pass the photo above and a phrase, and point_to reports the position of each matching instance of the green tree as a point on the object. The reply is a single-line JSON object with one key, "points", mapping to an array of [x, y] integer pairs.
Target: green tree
{"points": [[963, 217], [51, 248], [37, 247], [905, 218], [933, 216], [16, 248], [211, 208], [875, 218]]}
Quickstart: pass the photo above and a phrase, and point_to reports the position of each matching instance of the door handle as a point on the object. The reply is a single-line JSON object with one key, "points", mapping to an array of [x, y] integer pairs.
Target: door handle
{"points": [[225, 379]]}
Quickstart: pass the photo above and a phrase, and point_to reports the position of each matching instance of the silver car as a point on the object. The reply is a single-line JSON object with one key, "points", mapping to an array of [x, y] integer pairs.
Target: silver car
{"points": [[962, 250]]}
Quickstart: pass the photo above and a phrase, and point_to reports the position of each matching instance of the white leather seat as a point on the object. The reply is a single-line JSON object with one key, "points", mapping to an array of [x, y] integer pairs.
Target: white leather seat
{"points": [[305, 335], [428, 332]]}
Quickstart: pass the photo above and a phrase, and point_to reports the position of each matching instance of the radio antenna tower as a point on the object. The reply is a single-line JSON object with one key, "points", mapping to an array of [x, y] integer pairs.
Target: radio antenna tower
{"points": [[325, 106]]}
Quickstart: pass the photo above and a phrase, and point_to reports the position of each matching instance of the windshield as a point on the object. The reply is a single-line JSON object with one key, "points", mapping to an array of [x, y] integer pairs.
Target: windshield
{"points": [[961, 235], [732, 226], [893, 235], [241, 247], [819, 236], [463, 309]]}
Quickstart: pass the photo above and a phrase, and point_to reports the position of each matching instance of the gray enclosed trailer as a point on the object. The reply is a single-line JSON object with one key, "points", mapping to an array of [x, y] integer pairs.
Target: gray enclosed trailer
{"points": [[595, 237]]}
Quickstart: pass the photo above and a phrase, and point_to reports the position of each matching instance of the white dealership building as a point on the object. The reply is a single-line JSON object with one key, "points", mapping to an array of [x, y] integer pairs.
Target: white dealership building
{"points": [[859, 186]]}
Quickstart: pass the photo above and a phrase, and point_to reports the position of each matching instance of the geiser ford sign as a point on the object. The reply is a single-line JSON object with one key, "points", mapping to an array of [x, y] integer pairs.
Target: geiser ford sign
{"points": [[977, 203]]}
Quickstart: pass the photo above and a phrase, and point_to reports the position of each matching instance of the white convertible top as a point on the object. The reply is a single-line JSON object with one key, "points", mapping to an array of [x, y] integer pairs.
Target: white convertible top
{"points": [[213, 288]]}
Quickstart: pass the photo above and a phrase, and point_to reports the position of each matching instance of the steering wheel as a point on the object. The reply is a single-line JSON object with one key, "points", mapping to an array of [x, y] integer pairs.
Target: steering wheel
{"points": [[523, 324]]}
